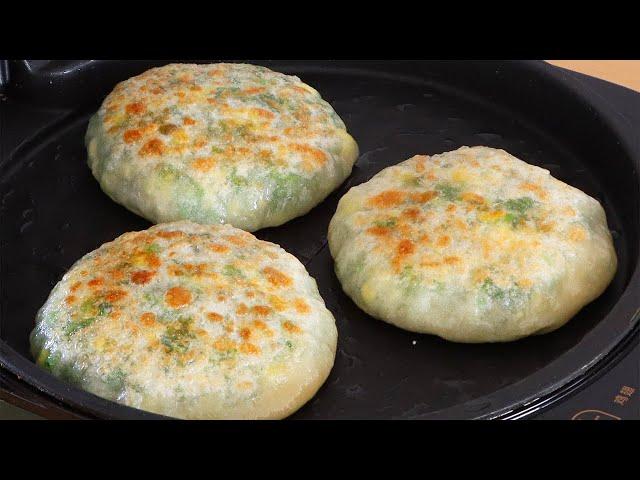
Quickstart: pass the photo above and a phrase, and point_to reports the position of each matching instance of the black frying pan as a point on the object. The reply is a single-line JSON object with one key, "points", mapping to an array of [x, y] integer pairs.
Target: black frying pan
{"points": [[53, 212]]}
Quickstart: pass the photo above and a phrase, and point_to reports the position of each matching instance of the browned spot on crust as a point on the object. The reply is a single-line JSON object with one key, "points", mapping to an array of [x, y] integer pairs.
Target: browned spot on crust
{"points": [[214, 317], [411, 213], [203, 164], [276, 277], [116, 274], [135, 108], [152, 260], [170, 234], [547, 226], [253, 90], [266, 114], [291, 327], [239, 240], [70, 299], [75, 286], [218, 248], [147, 319], [167, 128], [451, 208], [387, 199], [142, 276], [242, 309], [95, 282], [537, 189], [152, 147], [405, 247], [423, 197], [223, 344], [424, 239], [577, 234], [188, 121], [261, 310], [301, 306], [451, 260], [245, 333], [379, 231], [277, 303], [443, 241], [131, 136], [115, 295], [473, 198], [177, 297], [249, 348]]}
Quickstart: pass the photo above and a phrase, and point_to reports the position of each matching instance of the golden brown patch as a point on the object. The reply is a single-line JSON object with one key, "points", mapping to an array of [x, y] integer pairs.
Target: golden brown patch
{"points": [[276, 277], [135, 108], [379, 231], [577, 234], [203, 164], [260, 325], [411, 213], [405, 247], [532, 187], [214, 317], [175, 271], [253, 90], [70, 299], [451, 208], [170, 234], [423, 197], [318, 157], [266, 114], [96, 282], [142, 276], [242, 309], [277, 303], [524, 282], [131, 136], [424, 239], [239, 240], [301, 306], [177, 297], [152, 260], [152, 147], [147, 319], [568, 211], [451, 260], [115, 295], [75, 286], [167, 128], [547, 226], [188, 121], [249, 348], [116, 274], [492, 215], [245, 333], [291, 327], [261, 310], [218, 248], [473, 198], [387, 199], [443, 241], [224, 344]]}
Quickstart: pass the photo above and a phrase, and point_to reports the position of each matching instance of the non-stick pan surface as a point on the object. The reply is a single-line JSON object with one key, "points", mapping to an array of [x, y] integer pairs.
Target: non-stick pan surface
{"points": [[53, 212]]}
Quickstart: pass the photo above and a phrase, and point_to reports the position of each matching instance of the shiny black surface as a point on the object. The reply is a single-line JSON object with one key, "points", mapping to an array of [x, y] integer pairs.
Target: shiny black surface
{"points": [[53, 212]]}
